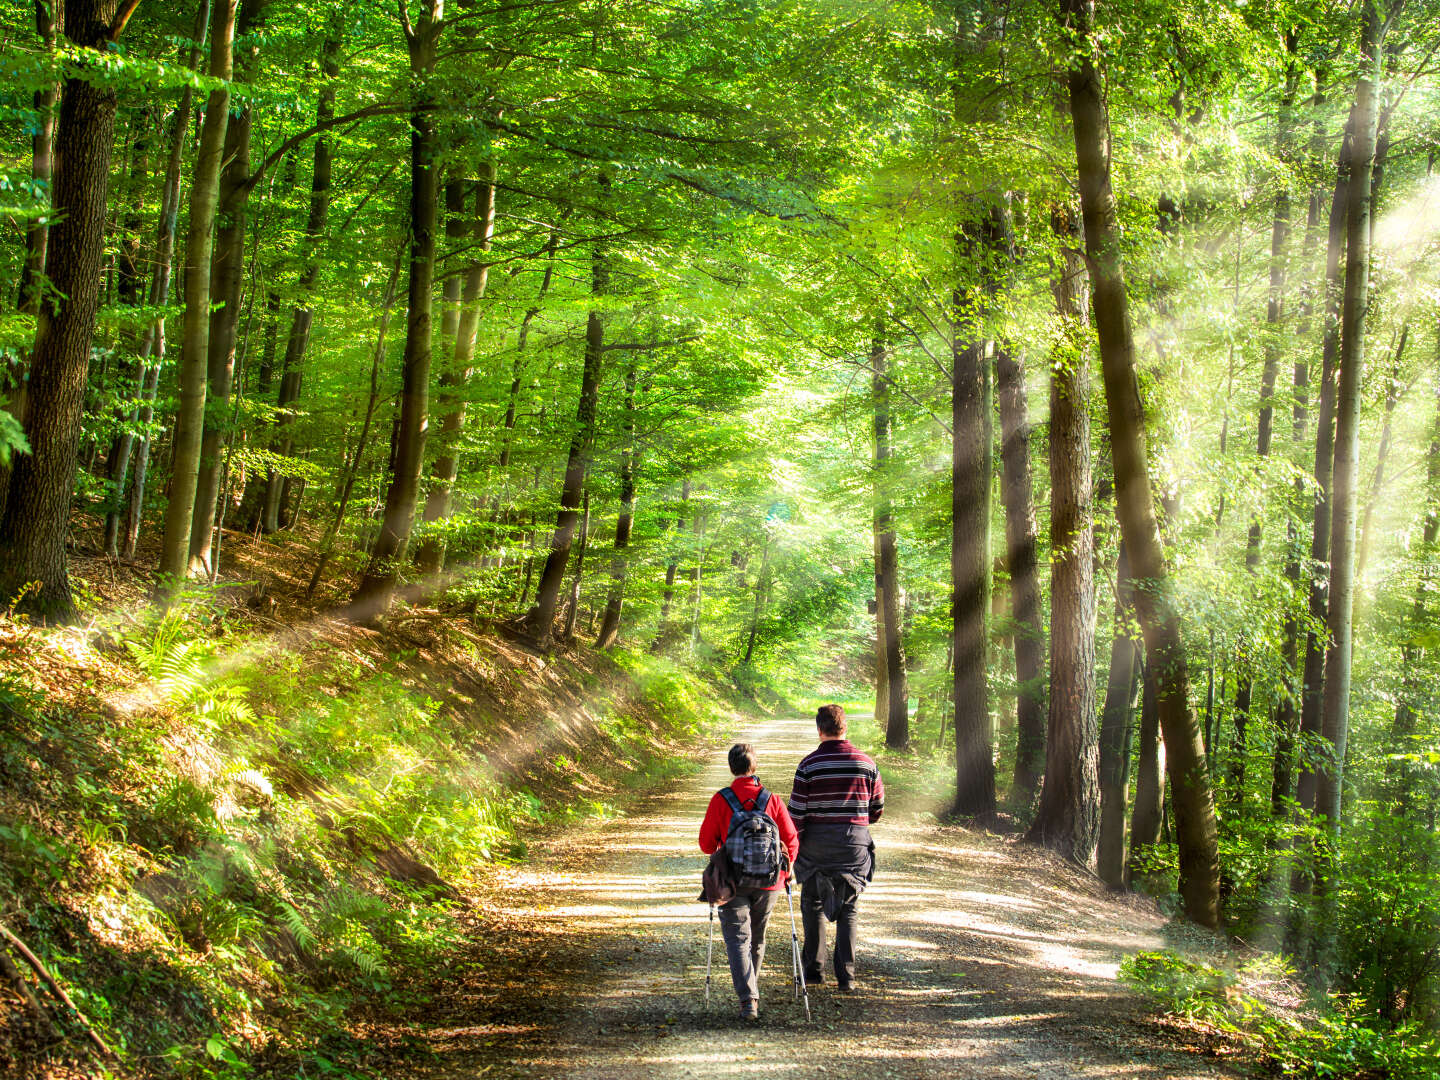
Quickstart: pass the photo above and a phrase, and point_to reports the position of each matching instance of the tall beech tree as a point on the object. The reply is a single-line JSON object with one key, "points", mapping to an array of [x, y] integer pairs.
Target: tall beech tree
{"points": [[887, 563], [1020, 548], [1195, 826], [194, 339], [37, 509], [1069, 813], [377, 588], [1335, 725], [540, 619]]}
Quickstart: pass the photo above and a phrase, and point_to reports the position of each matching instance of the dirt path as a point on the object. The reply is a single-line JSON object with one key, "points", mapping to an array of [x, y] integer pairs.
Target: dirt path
{"points": [[978, 958]]}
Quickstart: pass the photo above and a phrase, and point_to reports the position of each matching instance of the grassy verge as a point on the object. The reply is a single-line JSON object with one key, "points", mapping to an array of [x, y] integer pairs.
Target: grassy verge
{"points": [[221, 839], [1258, 1006]]}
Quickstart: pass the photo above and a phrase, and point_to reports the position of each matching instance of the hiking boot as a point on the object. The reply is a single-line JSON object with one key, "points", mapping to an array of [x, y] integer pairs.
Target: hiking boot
{"points": [[848, 987], [815, 979], [749, 1010]]}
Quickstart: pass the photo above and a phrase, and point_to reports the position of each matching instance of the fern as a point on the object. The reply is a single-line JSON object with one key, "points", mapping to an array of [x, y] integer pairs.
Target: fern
{"points": [[298, 927]]}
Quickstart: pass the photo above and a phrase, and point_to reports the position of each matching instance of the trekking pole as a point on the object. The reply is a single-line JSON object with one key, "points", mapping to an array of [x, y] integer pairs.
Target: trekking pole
{"points": [[795, 966], [709, 954]]}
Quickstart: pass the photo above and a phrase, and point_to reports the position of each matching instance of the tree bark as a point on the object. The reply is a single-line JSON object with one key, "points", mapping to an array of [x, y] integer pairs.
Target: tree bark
{"points": [[1165, 653], [1287, 708], [377, 587], [1069, 813], [1274, 313], [227, 264], [1314, 669], [887, 570], [1116, 723], [619, 566], [1017, 493], [431, 556], [194, 340], [37, 511], [541, 618], [572, 609], [672, 567], [117, 461], [1335, 724]]}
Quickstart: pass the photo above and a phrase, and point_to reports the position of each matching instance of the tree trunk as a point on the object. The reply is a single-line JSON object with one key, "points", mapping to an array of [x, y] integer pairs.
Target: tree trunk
{"points": [[1274, 312], [541, 618], [1116, 723], [1148, 810], [882, 669], [887, 571], [572, 609], [227, 266], [619, 566], [302, 316], [1069, 812], [1017, 493], [1164, 647], [194, 340], [377, 587], [431, 556], [117, 461], [970, 578], [672, 567], [1314, 670], [37, 512], [1287, 708], [1335, 725]]}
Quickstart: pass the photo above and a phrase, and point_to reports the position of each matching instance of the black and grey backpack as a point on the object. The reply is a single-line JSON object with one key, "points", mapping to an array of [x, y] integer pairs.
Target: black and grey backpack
{"points": [[753, 843]]}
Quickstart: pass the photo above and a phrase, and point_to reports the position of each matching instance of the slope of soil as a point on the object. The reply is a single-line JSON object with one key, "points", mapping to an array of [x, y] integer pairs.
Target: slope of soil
{"points": [[979, 957]]}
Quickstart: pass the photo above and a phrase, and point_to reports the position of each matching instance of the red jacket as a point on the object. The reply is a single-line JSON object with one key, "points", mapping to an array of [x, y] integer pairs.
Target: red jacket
{"points": [[716, 825]]}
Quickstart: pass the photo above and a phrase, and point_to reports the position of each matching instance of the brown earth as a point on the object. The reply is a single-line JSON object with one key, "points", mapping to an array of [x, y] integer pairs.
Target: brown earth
{"points": [[980, 957]]}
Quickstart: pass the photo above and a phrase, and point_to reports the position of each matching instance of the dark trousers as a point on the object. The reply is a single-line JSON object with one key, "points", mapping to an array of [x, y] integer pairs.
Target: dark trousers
{"points": [[812, 954], [742, 924]]}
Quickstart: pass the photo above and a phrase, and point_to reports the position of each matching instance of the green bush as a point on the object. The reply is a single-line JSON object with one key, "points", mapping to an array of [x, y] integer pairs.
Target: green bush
{"points": [[1344, 1041]]}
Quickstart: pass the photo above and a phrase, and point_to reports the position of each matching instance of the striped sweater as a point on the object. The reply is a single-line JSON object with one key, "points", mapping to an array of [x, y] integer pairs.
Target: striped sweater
{"points": [[836, 784]]}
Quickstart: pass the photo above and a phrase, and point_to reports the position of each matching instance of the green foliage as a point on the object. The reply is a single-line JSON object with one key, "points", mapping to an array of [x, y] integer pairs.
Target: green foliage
{"points": [[1344, 1041]]}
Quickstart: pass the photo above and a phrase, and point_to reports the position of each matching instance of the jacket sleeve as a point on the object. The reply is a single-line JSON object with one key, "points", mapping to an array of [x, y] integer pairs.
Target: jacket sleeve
{"points": [[712, 829], [788, 836], [877, 797], [799, 795]]}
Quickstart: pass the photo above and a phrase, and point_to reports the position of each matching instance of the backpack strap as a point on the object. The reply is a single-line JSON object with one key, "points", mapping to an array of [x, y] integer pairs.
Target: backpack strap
{"points": [[761, 800], [730, 797]]}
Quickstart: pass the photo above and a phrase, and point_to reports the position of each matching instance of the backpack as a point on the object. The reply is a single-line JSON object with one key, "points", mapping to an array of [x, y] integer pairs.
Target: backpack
{"points": [[753, 843]]}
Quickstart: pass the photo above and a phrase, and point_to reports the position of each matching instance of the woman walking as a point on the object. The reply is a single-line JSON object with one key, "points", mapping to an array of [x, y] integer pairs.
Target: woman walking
{"points": [[744, 916]]}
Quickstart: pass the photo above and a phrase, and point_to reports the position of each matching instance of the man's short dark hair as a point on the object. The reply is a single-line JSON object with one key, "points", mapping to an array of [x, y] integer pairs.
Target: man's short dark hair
{"points": [[830, 719], [742, 759]]}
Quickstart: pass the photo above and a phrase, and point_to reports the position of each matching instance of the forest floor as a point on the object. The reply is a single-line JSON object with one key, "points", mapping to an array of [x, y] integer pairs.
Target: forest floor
{"points": [[979, 957]]}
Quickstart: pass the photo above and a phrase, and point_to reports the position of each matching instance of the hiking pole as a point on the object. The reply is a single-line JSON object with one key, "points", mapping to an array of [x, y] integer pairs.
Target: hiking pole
{"points": [[795, 967], [709, 954]]}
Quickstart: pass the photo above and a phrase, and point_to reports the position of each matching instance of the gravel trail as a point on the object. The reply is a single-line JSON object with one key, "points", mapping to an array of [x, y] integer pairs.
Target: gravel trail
{"points": [[979, 958]]}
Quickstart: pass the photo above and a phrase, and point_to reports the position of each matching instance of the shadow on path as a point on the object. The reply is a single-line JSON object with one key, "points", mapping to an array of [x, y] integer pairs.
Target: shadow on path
{"points": [[979, 958]]}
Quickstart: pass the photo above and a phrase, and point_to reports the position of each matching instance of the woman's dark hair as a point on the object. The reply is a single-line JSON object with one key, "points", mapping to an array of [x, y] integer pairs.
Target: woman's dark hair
{"points": [[830, 719], [742, 759]]}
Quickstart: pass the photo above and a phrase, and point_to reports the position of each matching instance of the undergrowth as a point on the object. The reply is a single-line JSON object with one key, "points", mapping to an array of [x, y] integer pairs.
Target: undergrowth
{"points": [[220, 843], [1342, 1040]]}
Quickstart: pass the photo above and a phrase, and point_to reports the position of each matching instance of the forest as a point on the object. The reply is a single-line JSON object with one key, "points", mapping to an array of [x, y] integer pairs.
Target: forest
{"points": [[1065, 376]]}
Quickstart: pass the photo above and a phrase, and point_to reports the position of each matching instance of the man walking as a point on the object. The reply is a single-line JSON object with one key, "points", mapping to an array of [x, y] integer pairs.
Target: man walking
{"points": [[837, 795]]}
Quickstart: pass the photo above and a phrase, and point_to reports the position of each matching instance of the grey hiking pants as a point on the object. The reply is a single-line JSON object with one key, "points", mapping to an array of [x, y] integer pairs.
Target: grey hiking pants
{"points": [[742, 924]]}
